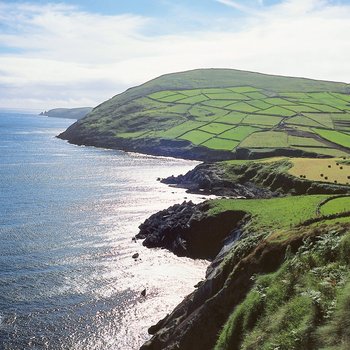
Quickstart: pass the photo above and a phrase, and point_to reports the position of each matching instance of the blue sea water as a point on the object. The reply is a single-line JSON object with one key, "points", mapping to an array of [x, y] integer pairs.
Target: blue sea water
{"points": [[67, 216]]}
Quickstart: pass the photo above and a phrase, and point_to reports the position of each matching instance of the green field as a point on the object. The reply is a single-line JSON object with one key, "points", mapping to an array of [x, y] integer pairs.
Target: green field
{"points": [[336, 205], [334, 136], [266, 212], [191, 105]]}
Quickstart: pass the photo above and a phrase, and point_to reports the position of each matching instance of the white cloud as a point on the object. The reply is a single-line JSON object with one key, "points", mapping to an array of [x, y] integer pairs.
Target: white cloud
{"points": [[236, 5], [72, 58]]}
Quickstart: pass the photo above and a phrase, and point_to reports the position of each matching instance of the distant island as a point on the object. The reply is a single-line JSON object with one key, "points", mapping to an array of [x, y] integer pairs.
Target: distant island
{"points": [[68, 113]]}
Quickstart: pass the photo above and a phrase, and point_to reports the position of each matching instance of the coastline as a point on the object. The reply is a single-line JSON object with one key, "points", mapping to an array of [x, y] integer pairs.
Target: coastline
{"points": [[181, 328]]}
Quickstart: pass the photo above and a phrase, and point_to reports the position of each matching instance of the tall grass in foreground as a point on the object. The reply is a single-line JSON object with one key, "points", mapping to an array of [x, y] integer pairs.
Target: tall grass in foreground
{"points": [[303, 305]]}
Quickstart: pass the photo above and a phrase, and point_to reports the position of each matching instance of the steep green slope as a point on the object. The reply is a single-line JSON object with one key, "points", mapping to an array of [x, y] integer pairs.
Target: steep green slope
{"points": [[302, 305], [222, 114]]}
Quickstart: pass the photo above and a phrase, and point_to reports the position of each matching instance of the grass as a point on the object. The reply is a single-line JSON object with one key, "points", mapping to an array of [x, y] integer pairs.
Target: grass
{"points": [[304, 108], [239, 133], [196, 136], [304, 141], [331, 152], [324, 119], [279, 111], [217, 103], [334, 136], [227, 96], [265, 120], [160, 108], [335, 335], [266, 213], [181, 129], [305, 304], [302, 120], [216, 128], [221, 144], [242, 107], [325, 170], [260, 104], [233, 118], [336, 205], [268, 139]]}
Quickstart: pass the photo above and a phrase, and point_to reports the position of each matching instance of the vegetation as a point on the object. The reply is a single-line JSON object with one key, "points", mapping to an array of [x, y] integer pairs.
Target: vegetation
{"points": [[303, 305], [325, 170], [266, 213], [68, 113], [272, 110]]}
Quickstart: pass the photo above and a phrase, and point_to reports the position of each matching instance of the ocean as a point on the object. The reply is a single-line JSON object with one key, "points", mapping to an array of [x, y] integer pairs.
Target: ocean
{"points": [[67, 218]]}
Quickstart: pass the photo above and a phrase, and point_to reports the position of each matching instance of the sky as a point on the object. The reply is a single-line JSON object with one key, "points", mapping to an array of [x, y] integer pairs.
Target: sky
{"points": [[74, 53]]}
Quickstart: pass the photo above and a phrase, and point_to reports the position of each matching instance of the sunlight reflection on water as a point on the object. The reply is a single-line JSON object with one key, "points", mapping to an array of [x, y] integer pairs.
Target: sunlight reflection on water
{"points": [[68, 213]]}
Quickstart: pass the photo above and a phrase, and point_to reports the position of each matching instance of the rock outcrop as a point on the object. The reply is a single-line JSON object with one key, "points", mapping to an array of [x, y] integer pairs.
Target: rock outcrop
{"points": [[187, 230], [250, 180]]}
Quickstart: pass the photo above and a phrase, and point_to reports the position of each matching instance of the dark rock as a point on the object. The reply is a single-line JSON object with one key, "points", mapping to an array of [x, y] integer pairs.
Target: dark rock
{"points": [[135, 256], [143, 293], [187, 230], [155, 328]]}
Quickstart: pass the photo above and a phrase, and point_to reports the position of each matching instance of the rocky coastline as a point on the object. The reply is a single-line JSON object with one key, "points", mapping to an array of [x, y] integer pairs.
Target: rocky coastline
{"points": [[235, 255]]}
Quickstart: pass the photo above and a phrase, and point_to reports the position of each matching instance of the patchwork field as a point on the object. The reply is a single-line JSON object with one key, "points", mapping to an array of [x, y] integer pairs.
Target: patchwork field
{"points": [[248, 117], [226, 110]]}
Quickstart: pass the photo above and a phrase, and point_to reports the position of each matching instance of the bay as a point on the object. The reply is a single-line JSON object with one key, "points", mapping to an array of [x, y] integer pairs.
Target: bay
{"points": [[67, 218]]}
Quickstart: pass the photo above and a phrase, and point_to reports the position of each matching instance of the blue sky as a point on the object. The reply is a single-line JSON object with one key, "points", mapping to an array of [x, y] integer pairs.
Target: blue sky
{"points": [[77, 53]]}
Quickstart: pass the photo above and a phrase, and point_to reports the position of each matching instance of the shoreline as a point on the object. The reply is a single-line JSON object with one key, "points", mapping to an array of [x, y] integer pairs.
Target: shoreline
{"points": [[181, 325]]}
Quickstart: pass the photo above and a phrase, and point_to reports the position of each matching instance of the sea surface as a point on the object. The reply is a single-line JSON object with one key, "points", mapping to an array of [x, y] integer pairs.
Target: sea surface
{"points": [[67, 218]]}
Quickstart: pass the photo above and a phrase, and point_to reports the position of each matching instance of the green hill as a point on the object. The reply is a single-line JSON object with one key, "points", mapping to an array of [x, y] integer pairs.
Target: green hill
{"points": [[222, 114]]}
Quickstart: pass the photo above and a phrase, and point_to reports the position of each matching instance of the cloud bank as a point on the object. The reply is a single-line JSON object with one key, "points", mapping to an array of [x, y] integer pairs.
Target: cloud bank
{"points": [[59, 56]]}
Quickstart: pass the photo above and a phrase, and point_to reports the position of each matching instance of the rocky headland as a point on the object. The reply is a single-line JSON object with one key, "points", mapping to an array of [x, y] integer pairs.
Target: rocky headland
{"points": [[249, 180]]}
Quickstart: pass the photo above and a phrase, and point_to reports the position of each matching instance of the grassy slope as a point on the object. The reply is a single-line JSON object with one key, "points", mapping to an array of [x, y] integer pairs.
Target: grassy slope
{"points": [[302, 305], [305, 302], [223, 109]]}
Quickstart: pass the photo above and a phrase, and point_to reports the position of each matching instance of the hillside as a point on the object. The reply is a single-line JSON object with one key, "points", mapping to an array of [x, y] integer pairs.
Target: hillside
{"points": [[213, 114], [68, 113], [280, 281]]}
